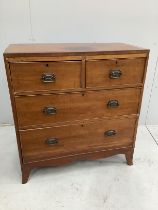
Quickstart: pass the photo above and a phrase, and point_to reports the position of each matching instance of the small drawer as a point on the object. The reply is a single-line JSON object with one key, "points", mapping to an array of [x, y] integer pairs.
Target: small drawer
{"points": [[42, 76], [53, 108], [74, 139], [107, 73]]}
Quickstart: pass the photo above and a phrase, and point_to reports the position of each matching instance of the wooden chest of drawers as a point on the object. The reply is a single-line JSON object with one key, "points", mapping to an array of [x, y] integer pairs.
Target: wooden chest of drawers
{"points": [[74, 101]]}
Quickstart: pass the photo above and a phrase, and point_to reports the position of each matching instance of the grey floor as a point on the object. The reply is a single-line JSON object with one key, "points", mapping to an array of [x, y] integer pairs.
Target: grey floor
{"points": [[107, 184]]}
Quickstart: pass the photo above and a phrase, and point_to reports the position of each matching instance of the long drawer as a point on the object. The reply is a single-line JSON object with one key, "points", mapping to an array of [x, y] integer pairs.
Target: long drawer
{"points": [[57, 141], [47, 109], [108, 73], [43, 76]]}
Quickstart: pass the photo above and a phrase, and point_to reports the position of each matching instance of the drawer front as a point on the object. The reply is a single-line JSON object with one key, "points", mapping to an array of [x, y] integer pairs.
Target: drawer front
{"points": [[47, 109], [57, 141], [45, 76], [106, 73]]}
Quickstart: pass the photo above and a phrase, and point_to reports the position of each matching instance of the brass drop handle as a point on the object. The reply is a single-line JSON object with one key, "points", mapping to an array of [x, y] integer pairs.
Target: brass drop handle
{"points": [[49, 110], [48, 77], [51, 141], [110, 133], [113, 104], [115, 74]]}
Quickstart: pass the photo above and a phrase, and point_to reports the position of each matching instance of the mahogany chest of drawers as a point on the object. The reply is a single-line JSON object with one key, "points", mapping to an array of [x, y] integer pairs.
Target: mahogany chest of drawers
{"points": [[74, 101]]}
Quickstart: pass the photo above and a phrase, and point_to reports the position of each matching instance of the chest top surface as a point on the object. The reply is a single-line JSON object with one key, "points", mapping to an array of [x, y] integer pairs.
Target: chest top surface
{"points": [[70, 49]]}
